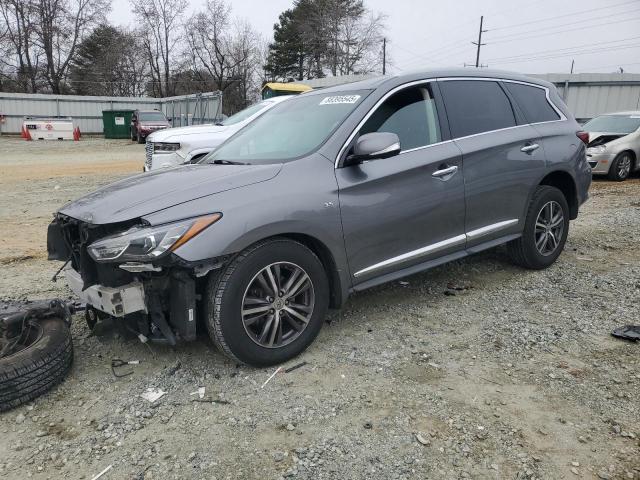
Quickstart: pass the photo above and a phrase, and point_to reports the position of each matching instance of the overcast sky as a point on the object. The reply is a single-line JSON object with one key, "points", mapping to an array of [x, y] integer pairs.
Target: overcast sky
{"points": [[534, 36]]}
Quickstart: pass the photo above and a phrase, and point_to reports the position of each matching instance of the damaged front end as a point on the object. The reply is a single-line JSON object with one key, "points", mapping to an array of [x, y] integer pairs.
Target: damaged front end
{"points": [[129, 270]]}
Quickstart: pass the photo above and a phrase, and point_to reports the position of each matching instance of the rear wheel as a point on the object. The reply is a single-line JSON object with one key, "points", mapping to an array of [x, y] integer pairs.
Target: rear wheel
{"points": [[545, 230], [621, 167], [269, 304], [140, 138]]}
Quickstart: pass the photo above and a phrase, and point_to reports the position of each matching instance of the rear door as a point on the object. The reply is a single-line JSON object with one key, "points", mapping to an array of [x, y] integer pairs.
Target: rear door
{"points": [[407, 209], [502, 156]]}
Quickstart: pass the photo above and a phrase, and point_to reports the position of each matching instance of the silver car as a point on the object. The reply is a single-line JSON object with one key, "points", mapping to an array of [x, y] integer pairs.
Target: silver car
{"points": [[614, 144]]}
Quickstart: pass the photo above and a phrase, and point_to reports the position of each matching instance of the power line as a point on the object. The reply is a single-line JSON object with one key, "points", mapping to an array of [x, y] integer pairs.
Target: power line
{"points": [[570, 14], [570, 54], [510, 38], [557, 50]]}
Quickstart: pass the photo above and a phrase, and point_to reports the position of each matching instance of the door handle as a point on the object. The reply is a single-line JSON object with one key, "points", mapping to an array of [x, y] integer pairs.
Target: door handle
{"points": [[530, 148], [445, 171]]}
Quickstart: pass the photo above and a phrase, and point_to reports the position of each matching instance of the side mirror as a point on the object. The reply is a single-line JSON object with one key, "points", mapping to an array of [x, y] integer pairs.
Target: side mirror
{"points": [[374, 146]]}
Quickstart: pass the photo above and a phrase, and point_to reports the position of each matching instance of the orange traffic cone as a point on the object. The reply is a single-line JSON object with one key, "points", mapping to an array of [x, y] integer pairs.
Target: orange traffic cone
{"points": [[79, 133], [76, 135], [27, 135], [23, 134]]}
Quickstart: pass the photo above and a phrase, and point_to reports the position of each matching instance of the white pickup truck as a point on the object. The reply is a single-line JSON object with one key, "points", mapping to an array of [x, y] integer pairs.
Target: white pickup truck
{"points": [[176, 146]]}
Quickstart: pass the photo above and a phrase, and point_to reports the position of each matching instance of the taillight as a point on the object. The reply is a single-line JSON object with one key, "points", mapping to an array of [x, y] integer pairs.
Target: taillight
{"points": [[584, 136]]}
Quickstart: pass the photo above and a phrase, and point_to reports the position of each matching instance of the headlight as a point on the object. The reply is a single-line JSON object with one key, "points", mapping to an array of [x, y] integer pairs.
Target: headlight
{"points": [[164, 147], [149, 243], [597, 149]]}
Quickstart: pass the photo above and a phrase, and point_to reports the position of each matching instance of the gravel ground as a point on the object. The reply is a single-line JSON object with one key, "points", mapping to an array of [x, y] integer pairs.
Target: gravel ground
{"points": [[476, 369]]}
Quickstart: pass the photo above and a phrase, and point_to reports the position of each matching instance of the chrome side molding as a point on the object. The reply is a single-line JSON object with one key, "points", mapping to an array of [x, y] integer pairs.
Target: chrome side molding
{"points": [[435, 247]]}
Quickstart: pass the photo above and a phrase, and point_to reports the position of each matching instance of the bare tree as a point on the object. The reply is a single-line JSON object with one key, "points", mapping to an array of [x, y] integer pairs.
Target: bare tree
{"points": [[226, 50], [359, 44], [160, 31], [60, 26], [21, 53]]}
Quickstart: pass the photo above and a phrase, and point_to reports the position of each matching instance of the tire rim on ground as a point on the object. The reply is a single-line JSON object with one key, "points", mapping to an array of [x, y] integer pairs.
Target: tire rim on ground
{"points": [[624, 166], [278, 304], [549, 228], [30, 335]]}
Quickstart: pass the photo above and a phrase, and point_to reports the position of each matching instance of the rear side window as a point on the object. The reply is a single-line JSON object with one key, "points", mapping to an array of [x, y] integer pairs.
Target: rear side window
{"points": [[476, 106], [410, 114], [533, 102]]}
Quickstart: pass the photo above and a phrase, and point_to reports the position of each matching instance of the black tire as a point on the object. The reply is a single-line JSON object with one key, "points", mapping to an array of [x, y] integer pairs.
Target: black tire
{"points": [[225, 294], [617, 173], [133, 136], [523, 251], [40, 366], [140, 138]]}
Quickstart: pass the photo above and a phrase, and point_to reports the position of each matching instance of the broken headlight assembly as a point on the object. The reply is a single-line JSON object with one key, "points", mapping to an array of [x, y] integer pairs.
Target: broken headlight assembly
{"points": [[597, 149], [165, 147], [149, 243]]}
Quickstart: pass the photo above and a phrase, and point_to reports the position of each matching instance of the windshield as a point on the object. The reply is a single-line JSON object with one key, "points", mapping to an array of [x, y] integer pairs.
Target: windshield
{"points": [[244, 114], [613, 124], [152, 117], [289, 130]]}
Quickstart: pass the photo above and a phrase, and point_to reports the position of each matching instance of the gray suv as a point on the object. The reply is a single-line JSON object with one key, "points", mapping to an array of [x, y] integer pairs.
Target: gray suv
{"points": [[332, 192]]}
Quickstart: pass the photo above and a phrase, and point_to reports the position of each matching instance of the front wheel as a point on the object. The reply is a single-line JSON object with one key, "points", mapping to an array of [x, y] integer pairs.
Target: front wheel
{"points": [[269, 303], [545, 230], [620, 167]]}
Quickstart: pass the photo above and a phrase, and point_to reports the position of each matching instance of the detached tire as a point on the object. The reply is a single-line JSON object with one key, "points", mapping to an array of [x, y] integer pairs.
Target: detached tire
{"points": [[42, 364], [545, 230], [268, 304]]}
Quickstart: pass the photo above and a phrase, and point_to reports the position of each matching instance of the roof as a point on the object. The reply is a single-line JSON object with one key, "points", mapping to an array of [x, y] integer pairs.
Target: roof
{"points": [[372, 83], [287, 87]]}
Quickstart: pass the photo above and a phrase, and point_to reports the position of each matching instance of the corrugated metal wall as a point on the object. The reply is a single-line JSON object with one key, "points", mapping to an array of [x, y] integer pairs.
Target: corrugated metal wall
{"points": [[590, 94], [87, 111]]}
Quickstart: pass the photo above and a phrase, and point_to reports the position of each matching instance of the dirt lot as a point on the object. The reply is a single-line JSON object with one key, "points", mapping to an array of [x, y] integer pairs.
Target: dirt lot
{"points": [[476, 369]]}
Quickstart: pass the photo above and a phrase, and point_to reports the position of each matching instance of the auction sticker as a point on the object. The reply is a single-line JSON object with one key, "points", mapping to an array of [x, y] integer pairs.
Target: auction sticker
{"points": [[340, 99]]}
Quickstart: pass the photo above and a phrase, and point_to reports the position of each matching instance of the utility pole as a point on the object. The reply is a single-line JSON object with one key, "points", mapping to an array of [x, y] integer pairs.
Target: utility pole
{"points": [[572, 64], [479, 43], [384, 56]]}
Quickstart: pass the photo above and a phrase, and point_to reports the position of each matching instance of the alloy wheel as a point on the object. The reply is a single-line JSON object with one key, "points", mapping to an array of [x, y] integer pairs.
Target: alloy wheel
{"points": [[549, 228], [278, 304], [624, 166]]}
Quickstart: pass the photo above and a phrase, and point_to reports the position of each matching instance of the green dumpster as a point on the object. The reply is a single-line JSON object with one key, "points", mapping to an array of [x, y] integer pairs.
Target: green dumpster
{"points": [[117, 123]]}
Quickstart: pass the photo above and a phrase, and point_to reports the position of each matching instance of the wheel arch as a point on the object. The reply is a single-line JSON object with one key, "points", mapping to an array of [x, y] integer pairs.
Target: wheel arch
{"points": [[564, 182], [338, 286], [328, 262]]}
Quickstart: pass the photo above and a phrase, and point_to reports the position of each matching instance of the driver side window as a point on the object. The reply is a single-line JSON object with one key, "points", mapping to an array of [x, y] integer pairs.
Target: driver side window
{"points": [[410, 114]]}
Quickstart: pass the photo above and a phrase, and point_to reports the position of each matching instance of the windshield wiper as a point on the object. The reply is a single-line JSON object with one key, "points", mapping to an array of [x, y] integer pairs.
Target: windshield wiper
{"points": [[228, 162]]}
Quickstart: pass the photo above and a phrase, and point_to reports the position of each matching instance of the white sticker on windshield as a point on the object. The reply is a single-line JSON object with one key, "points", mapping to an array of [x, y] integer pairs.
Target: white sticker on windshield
{"points": [[340, 99]]}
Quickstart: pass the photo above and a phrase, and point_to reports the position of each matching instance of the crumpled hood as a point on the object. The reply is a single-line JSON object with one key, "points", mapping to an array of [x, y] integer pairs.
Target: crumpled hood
{"points": [[177, 133], [151, 192], [600, 138]]}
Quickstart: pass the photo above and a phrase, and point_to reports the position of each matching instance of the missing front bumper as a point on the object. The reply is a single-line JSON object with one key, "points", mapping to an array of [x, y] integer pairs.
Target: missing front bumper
{"points": [[115, 301]]}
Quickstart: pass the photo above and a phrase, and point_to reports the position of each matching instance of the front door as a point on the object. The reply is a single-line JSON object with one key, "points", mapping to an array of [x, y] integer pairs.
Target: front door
{"points": [[409, 208]]}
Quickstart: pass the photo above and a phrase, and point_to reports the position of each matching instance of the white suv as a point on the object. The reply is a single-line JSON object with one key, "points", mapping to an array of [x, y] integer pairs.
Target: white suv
{"points": [[177, 146]]}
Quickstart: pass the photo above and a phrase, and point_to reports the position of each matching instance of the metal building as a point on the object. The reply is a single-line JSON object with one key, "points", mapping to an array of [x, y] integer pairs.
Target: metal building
{"points": [[86, 111], [590, 94]]}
